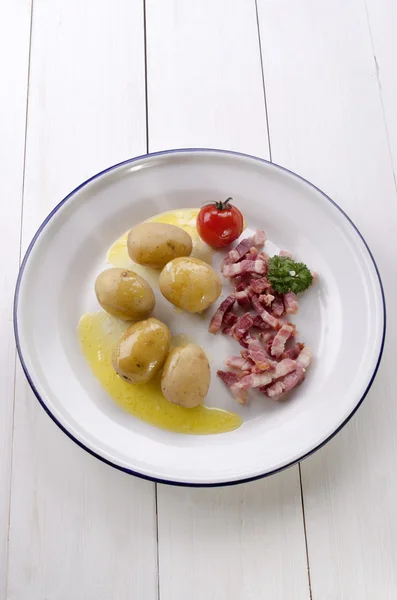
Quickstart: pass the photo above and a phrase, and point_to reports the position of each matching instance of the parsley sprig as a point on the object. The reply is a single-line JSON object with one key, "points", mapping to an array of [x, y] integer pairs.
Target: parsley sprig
{"points": [[286, 275]]}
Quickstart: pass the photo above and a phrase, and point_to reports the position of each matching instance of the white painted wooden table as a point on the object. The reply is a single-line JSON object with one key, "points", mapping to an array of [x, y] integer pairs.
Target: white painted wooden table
{"points": [[85, 84]]}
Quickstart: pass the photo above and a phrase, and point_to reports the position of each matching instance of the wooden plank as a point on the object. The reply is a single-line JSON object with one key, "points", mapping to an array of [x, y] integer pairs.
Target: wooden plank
{"points": [[326, 122], [79, 529], [382, 19], [14, 42], [205, 89], [205, 84], [232, 543]]}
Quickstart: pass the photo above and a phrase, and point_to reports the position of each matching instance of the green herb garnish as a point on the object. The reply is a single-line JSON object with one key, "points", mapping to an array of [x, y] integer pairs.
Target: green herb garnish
{"points": [[286, 275]]}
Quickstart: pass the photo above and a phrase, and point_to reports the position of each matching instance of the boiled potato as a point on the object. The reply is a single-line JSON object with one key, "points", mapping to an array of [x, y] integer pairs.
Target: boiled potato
{"points": [[124, 294], [186, 376], [190, 284], [142, 350], [155, 244]]}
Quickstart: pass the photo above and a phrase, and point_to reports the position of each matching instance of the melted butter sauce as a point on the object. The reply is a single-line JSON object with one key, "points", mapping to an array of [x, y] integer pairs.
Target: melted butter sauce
{"points": [[99, 333]]}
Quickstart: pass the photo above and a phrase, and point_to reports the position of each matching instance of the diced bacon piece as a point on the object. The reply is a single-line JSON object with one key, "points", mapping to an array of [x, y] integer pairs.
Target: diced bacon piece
{"points": [[284, 367], [304, 358], [227, 330], [230, 318], [217, 319], [238, 362], [277, 307], [258, 257], [293, 352], [280, 340], [258, 355], [246, 355], [231, 380], [269, 344], [241, 286], [266, 317], [259, 323], [293, 379], [274, 389], [285, 253], [243, 278], [264, 256], [257, 240], [286, 384], [245, 266], [243, 324], [241, 374], [254, 380], [258, 266], [266, 337], [233, 269], [259, 285], [252, 254], [266, 299], [245, 340], [242, 294], [256, 369], [256, 304], [270, 320], [240, 250], [243, 298], [291, 303]]}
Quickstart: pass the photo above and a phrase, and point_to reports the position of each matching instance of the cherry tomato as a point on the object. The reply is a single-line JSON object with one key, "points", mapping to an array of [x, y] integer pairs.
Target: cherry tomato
{"points": [[219, 224]]}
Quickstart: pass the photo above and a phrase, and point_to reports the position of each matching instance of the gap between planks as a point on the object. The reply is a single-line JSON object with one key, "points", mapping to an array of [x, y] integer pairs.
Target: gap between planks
{"points": [[19, 264], [271, 160], [380, 94], [147, 151]]}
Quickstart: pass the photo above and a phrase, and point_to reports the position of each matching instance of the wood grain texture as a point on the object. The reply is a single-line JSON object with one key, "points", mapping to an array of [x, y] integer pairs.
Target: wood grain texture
{"points": [[232, 543], [382, 20], [79, 529], [205, 89], [14, 60], [204, 77], [327, 123]]}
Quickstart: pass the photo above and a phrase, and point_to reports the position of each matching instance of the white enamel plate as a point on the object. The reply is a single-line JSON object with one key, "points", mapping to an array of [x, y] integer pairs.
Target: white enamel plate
{"points": [[342, 317]]}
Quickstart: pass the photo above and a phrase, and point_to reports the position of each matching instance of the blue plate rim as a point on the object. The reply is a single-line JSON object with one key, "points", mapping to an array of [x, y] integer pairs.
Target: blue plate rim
{"points": [[142, 475]]}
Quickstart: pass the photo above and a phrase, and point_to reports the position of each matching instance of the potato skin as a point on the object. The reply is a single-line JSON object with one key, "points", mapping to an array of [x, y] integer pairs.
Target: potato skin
{"points": [[186, 376], [155, 244], [124, 294], [190, 284], [142, 350]]}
